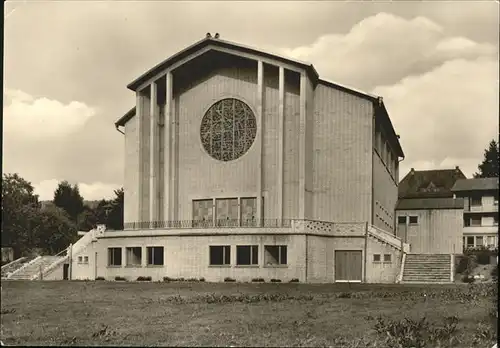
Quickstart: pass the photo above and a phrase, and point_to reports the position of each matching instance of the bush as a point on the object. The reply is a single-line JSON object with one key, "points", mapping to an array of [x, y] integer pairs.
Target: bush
{"points": [[275, 280], [258, 280], [294, 280], [100, 278], [494, 272], [119, 278], [202, 279], [144, 279], [468, 279], [229, 280]]}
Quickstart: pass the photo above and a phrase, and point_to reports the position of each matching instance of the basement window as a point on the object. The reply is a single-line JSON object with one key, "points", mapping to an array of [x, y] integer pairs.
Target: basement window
{"points": [[376, 257], [155, 256], [413, 220], [275, 255], [114, 256], [134, 256], [247, 255], [387, 257], [220, 255]]}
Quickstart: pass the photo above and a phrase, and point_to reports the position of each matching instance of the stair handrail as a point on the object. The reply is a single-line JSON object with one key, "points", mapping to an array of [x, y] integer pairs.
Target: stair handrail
{"points": [[53, 264], [399, 279], [24, 266], [13, 262], [386, 236]]}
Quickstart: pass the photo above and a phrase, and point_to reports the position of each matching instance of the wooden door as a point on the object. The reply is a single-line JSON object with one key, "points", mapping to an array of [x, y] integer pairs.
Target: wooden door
{"points": [[65, 271], [348, 265]]}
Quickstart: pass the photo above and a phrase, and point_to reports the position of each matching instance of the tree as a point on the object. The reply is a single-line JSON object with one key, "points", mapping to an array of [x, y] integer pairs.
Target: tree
{"points": [[489, 167], [115, 215], [68, 198], [54, 230], [19, 208]]}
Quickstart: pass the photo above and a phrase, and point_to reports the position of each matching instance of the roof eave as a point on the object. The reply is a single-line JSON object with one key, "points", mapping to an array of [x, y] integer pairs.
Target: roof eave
{"points": [[380, 106], [125, 118]]}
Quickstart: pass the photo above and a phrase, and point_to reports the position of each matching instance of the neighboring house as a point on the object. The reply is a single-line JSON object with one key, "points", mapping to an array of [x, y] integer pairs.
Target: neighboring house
{"points": [[429, 218], [480, 217], [244, 164]]}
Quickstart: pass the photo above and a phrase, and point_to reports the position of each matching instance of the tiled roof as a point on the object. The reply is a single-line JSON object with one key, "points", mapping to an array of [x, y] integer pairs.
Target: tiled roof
{"points": [[479, 184], [430, 203], [429, 183]]}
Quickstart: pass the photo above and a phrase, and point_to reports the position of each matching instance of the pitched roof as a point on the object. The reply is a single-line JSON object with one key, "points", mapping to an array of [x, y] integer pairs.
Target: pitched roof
{"points": [[479, 184], [429, 203], [429, 183]]}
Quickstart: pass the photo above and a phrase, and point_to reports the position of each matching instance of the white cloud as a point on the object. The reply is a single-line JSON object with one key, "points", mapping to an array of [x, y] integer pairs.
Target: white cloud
{"points": [[384, 48], [89, 191], [35, 118], [447, 116]]}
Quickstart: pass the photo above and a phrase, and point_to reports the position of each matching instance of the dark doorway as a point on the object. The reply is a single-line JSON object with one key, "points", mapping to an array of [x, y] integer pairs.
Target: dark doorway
{"points": [[66, 271]]}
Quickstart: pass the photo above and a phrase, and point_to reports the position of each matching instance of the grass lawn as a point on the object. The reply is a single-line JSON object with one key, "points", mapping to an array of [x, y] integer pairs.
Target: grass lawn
{"points": [[208, 314]]}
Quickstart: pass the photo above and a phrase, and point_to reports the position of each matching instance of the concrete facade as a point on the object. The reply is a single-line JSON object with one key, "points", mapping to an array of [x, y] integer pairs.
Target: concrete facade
{"points": [[325, 157]]}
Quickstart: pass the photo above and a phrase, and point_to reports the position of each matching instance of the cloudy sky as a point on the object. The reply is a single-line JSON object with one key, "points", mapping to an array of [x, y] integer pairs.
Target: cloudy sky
{"points": [[67, 65]]}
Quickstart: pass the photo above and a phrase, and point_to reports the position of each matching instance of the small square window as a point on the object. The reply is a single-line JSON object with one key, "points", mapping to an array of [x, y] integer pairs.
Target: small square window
{"points": [[413, 220], [401, 220], [247, 255], [85, 259], [79, 259], [134, 256], [387, 257], [155, 256], [275, 255], [220, 255], [114, 256], [376, 257]]}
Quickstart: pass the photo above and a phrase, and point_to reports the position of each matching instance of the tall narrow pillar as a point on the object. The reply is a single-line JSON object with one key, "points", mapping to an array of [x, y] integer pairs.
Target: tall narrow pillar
{"points": [[302, 146], [153, 156], [281, 136], [139, 110], [260, 134], [168, 148]]}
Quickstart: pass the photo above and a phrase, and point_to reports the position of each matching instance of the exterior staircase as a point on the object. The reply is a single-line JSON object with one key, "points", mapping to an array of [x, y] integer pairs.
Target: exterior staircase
{"points": [[427, 268], [32, 268], [11, 267]]}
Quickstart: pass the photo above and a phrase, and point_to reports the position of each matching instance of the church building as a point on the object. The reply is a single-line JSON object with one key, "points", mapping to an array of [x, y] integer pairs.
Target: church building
{"points": [[243, 164]]}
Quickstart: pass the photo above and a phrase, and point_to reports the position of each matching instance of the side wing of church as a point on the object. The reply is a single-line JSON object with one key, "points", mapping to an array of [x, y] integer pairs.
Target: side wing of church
{"points": [[243, 164]]}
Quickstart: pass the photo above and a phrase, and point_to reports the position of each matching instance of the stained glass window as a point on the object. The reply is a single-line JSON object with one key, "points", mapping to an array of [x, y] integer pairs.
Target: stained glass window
{"points": [[228, 129]]}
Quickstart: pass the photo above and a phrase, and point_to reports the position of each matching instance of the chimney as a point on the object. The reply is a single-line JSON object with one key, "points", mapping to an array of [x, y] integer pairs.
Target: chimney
{"points": [[457, 168], [208, 36]]}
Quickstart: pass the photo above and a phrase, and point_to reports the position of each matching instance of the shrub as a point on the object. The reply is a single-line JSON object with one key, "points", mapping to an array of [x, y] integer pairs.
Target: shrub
{"points": [[275, 280], [494, 272], [294, 280], [119, 278], [258, 280], [144, 279], [202, 279], [229, 280], [168, 279], [468, 279], [100, 278]]}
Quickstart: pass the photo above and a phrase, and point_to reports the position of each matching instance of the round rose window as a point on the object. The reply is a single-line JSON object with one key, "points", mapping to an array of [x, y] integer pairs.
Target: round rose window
{"points": [[228, 129]]}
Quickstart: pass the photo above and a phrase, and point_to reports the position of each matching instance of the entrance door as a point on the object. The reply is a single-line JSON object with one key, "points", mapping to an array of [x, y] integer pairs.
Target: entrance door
{"points": [[402, 229], [65, 271], [348, 266]]}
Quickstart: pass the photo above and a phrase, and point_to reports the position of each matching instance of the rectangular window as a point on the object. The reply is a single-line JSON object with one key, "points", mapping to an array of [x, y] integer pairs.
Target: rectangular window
{"points": [[491, 241], [226, 211], [475, 201], [114, 256], [155, 256], [387, 257], [376, 257], [479, 240], [248, 211], [470, 241], [475, 221], [495, 220], [79, 259], [413, 220], [247, 255], [275, 255], [203, 213], [402, 220], [85, 259], [134, 256], [220, 255]]}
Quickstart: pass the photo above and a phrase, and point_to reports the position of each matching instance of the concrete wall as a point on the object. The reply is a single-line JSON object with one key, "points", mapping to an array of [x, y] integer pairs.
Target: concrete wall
{"points": [[342, 155], [385, 195], [438, 230]]}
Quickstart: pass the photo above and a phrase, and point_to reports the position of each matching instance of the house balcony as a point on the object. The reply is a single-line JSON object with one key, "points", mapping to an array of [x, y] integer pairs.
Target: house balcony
{"points": [[481, 209], [480, 229]]}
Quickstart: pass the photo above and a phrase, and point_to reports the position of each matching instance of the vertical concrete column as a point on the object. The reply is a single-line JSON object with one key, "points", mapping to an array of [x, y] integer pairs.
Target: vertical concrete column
{"points": [[139, 110], [281, 135], [302, 146], [153, 156], [260, 134], [168, 148]]}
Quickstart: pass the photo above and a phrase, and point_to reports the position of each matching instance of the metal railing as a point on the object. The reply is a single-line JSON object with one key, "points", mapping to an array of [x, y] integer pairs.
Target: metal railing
{"points": [[217, 223]]}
